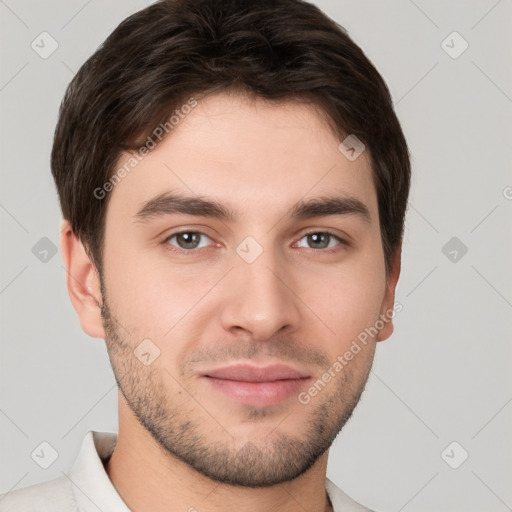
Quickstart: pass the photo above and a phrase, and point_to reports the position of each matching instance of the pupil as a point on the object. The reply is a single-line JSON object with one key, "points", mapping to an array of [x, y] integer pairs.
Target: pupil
{"points": [[318, 237], [188, 239]]}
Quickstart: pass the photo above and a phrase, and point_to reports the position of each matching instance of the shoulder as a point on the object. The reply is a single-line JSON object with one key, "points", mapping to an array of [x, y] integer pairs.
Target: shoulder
{"points": [[51, 496]]}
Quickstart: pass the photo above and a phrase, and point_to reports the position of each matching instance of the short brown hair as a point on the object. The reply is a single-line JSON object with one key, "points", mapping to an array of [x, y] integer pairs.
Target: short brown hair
{"points": [[159, 57]]}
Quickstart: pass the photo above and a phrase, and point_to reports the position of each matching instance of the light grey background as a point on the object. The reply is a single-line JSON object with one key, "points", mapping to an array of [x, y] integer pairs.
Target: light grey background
{"points": [[444, 376]]}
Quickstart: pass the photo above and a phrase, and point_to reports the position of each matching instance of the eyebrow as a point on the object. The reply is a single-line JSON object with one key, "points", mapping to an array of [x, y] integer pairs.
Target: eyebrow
{"points": [[168, 204]]}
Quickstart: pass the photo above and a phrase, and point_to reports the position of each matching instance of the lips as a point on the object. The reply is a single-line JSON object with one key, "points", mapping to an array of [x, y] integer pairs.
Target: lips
{"points": [[247, 373], [257, 386]]}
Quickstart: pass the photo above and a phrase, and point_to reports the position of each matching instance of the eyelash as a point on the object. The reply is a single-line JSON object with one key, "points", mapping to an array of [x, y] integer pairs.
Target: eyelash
{"points": [[316, 252]]}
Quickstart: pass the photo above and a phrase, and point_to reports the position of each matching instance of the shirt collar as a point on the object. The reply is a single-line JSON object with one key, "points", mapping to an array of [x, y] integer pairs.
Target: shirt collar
{"points": [[92, 487]]}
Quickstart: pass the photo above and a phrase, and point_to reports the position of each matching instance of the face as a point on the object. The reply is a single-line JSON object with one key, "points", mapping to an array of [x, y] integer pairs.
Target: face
{"points": [[223, 318]]}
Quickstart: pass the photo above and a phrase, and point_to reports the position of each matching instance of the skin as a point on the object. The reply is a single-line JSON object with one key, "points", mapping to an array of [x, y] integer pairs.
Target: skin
{"points": [[182, 443]]}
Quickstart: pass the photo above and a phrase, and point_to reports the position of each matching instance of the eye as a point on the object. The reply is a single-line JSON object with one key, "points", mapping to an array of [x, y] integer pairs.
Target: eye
{"points": [[189, 241], [320, 240], [186, 241]]}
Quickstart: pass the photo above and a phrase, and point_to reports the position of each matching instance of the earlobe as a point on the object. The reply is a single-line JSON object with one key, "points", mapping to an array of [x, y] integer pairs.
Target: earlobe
{"points": [[389, 298], [83, 283]]}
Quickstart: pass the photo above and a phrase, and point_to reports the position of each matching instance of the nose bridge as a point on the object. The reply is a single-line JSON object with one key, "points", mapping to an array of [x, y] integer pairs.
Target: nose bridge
{"points": [[261, 300]]}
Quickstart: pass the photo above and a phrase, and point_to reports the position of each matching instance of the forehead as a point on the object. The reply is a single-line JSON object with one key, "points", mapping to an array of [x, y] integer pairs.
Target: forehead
{"points": [[256, 157]]}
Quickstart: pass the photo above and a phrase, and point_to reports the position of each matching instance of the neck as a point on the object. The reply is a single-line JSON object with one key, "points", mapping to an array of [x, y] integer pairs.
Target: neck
{"points": [[149, 479]]}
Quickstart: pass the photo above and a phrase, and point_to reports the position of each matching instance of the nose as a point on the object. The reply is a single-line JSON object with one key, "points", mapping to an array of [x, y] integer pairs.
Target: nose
{"points": [[260, 298]]}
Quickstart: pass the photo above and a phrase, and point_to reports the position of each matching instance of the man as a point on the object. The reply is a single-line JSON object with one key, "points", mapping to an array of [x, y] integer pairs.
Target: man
{"points": [[233, 181]]}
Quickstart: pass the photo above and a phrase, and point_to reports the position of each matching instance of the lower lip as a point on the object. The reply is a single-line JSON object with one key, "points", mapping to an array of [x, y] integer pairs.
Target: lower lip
{"points": [[259, 394]]}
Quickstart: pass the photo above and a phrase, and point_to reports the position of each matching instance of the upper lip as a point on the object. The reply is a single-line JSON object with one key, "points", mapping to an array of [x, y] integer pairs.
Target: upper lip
{"points": [[249, 373]]}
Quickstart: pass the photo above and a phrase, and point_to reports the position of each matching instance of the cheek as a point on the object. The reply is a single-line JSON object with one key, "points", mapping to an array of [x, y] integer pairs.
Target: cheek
{"points": [[153, 299], [349, 303]]}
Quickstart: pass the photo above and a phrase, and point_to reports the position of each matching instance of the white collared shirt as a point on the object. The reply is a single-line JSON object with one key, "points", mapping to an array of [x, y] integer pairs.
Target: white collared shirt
{"points": [[87, 487]]}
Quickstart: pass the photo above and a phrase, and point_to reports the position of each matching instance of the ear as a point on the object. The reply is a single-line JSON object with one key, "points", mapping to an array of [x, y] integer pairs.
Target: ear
{"points": [[389, 297], [83, 282]]}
